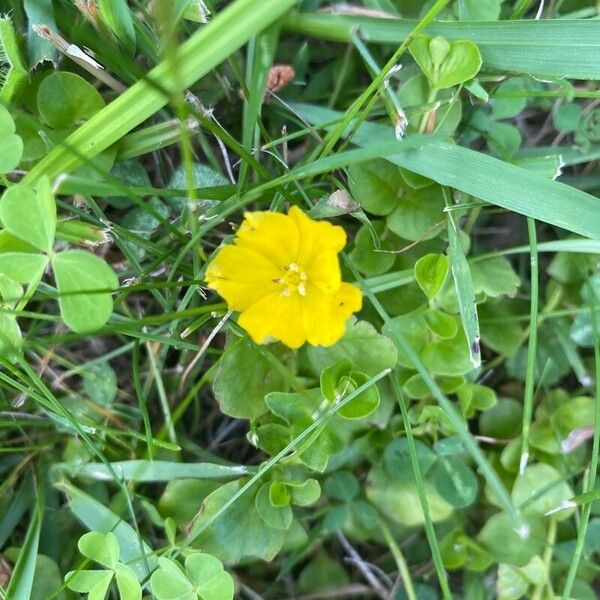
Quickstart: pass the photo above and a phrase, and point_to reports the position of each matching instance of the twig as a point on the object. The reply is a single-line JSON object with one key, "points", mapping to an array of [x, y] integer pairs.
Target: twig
{"points": [[364, 568]]}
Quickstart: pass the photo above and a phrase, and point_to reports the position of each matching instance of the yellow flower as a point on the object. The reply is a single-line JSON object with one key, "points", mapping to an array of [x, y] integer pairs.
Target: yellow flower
{"points": [[282, 273]]}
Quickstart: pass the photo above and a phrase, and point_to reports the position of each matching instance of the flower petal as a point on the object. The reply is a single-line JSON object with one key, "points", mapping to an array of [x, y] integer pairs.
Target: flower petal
{"points": [[271, 234], [316, 238], [325, 315], [242, 276], [275, 316]]}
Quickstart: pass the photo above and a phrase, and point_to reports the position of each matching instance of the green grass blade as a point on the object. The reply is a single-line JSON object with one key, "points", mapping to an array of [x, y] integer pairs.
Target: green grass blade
{"points": [[20, 585], [556, 48], [474, 173], [157, 470], [531, 347], [227, 32], [465, 291]]}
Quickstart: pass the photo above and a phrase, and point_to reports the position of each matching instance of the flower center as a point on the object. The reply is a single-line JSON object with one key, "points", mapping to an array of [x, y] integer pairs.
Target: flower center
{"points": [[294, 280]]}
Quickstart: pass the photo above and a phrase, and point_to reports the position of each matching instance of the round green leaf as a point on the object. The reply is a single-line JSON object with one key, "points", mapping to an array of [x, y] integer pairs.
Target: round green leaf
{"points": [[376, 185], [540, 489], [455, 482], [65, 99], [503, 420], [246, 376], [566, 117], [279, 517], [418, 214], [30, 215], [100, 547], [306, 493], [207, 574], [366, 257], [507, 545], [76, 273], [440, 323], [396, 459], [430, 273], [446, 64], [238, 533], [169, 583], [367, 350]]}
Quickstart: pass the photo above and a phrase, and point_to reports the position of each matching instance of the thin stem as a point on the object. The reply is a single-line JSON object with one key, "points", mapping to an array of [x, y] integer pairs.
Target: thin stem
{"points": [[401, 563], [420, 485], [532, 346], [550, 541], [593, 469]]}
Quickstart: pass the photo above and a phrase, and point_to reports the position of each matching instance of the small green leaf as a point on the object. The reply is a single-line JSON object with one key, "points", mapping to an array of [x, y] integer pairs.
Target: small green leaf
{"points": [[207, 574], [30, 215], [430, 272], [418, 214], [168, 582], [366, 256], [11, 145], [473, 397], [65, 99], [127, 583], [494, 277], [246, 376], [11, 339], [440, 323], [238, 533], [22, 267], [340, 380], [101, 547], [446, 64], [367, 350], [94, 583], [455, 482], [566, 117], [279, 517], [540, 489], [396, 459], [83, 281], [376, 185], [306, 493], [279, 494]]}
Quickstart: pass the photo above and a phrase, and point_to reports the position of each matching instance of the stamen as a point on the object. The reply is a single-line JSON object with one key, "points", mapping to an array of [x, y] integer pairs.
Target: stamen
{"points": [[302, 289]]}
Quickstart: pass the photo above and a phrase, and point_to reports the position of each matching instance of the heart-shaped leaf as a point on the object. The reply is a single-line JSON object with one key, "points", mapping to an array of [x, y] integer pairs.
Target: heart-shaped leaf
{"points": [[22, 267], [211, 580], [168, 582], [94, 583], [100, 547], [127, 583], [30, 215], [76, 273], [446, 63], [11, 145]]}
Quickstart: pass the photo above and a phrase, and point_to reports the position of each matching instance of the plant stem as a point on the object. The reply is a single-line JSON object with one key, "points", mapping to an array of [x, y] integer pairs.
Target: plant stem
{"points": [[409, 588]]}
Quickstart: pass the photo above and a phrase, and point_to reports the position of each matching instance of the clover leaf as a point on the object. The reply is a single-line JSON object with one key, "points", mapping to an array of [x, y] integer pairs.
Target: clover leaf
{"points": [[203, 578], [103, 548]]}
